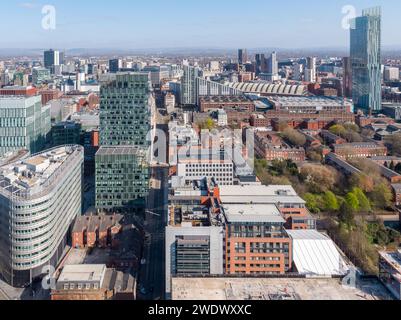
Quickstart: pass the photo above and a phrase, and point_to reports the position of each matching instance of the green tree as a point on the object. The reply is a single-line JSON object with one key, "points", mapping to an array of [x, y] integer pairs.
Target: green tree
{"points": [[364, 203], [338, 130], [382, 196], [346, 214], [352, 201], [330, 202], [312, 203]]}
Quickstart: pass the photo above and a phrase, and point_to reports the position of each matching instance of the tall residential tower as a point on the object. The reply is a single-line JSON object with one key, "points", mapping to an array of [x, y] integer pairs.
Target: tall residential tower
{"points": [[366, 60]]}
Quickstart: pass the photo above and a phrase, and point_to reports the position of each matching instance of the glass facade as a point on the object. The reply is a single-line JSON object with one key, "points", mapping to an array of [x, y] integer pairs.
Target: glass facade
{"points": [[366, 60], [122, 178], [125, 110], [24, 124]]}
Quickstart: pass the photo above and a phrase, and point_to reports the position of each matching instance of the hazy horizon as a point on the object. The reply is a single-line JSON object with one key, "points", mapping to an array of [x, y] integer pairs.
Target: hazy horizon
{"points": [[175, 24]]}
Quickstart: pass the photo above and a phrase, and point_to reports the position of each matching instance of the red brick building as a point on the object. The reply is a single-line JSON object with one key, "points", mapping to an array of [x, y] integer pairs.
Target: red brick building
{"points": [[18, 91], [271, 147], [96, 231], [49, 95], [207, 103], [360, 150]]}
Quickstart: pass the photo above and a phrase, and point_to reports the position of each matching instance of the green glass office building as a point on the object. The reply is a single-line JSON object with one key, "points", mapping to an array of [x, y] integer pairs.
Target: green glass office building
{"points": [[125, 110], [24, 124], [122, 165], [122, 178]]}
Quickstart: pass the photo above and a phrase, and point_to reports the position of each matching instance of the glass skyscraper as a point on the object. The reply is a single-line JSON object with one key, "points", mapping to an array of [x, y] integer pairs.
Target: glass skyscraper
{"points": [[366, 60], [122, 164], [125, 110]]}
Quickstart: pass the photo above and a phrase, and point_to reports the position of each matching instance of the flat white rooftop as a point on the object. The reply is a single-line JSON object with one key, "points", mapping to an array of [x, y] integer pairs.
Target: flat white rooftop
{"points": [[259, 194], [83, 273], [265, 213]]}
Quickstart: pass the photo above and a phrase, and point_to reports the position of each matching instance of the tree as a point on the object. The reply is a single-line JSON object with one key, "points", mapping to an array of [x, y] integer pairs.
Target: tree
{"points": [[352, 201], [208, 124], [282, 126], [382, 196], [312, 203], [338, 130], [330, 202], [294, 137], [362, 181], [314, 156], [346, 214], [364, 203], [394, 141], [318, 178]]}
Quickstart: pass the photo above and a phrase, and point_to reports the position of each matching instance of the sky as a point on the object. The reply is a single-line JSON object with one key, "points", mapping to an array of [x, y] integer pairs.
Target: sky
{"points": [[134, 24]]}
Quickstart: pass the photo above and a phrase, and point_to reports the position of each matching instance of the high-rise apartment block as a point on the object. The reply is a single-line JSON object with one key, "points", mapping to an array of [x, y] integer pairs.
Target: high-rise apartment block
{"points": [[24, 124], [40, 197], [366, 60]]}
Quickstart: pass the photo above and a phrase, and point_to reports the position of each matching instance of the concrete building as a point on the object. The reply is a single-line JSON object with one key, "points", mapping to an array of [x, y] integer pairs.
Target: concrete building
{"points": [[40, 197], [24, 124], [391, 74], [169, 102], [40, 75], [93, 282], [222, 118]]}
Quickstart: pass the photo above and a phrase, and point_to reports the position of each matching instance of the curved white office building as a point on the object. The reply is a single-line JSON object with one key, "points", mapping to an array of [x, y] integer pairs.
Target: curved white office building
{"points": [[40, 197]]}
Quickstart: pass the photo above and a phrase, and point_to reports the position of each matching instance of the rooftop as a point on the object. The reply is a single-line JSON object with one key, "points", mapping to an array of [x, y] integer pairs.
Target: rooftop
{"points": [[120, 150], [240, 289], [266, 213], [83, 273], [29, 174], [258, 194]]}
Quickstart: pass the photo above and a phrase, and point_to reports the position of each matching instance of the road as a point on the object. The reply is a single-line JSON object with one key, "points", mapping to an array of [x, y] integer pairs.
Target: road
{"points": [[152, 274]]}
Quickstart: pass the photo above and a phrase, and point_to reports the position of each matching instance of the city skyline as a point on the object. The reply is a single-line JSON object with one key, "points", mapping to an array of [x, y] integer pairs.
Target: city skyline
{"points": [[295, 25]]}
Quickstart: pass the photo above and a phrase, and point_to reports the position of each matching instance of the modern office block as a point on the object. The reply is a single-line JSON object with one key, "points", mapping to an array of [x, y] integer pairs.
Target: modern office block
{"points": [[125, 110], [64, 133], [366, 60], [40, 75], [115, 65], [24, 124], [51, 59], [40, 197], [242, 56], [122, 178]]}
